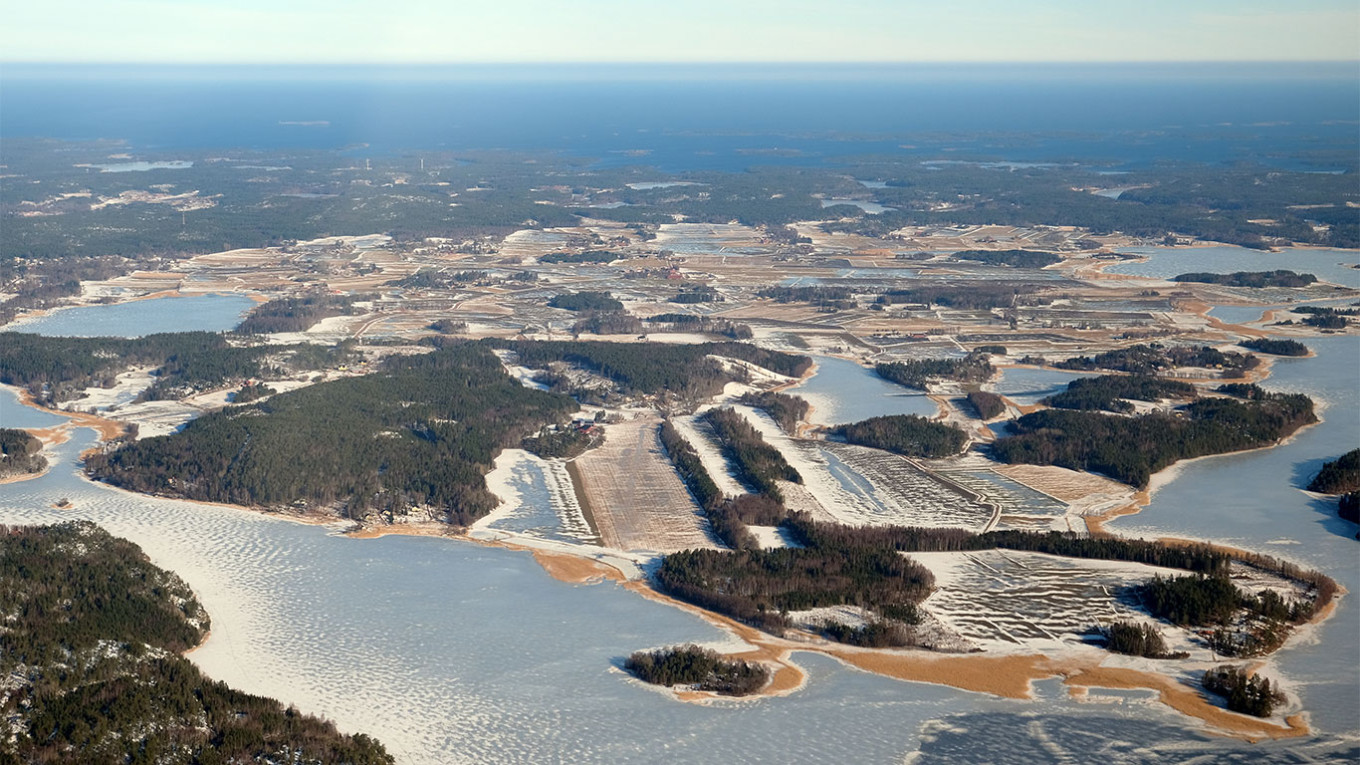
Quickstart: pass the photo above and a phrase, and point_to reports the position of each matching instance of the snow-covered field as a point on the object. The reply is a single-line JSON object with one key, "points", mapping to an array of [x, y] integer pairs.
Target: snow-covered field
{"points": [[1006, 599]]}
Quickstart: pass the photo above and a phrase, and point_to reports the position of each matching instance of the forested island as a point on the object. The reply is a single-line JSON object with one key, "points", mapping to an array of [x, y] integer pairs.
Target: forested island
{"points": [[918, 374], [91, 652], [1257, 279], [910, 435], [1151, 358], [986, 405], [20, 453], [1276, 347], [700, 669]]}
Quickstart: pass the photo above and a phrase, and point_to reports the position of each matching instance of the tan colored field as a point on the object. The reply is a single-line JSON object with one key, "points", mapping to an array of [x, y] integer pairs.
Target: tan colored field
{"points": [[636, 498], [1061, 483]]}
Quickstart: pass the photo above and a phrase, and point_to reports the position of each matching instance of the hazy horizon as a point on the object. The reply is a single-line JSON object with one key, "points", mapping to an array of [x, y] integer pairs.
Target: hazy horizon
{"points": [[423, 31]]}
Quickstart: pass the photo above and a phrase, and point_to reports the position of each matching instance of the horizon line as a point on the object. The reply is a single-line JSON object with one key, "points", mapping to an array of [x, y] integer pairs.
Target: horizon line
{"points": [[643, 71], [677, 62]]}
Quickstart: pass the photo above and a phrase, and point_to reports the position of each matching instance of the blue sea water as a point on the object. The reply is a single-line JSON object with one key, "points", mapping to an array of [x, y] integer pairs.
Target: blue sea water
{"points": [[715, 118]]}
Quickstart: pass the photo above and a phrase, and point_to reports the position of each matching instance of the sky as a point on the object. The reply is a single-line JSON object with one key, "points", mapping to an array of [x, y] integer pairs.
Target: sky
{"points": [[490, 31]]}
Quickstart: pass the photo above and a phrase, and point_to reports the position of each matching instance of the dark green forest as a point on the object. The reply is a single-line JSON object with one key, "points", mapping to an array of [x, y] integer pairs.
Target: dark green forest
{"points": [[586, 301], [1276, 347], [1152, 358], [760, 586], [1280, 278], [758, 465], [1137, 639], [907, 434], [1250, 694], [1014, 258], [653, 369], [421, 432], [784, 409], [986, 405], [1131, 449], [20, 452], [295, 314], [1109, 391], [700, 668], [918, 373], [1340, 476]]}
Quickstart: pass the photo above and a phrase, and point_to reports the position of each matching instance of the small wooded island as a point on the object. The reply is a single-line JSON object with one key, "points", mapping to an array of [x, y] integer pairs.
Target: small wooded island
{"points": [[698, 669]]}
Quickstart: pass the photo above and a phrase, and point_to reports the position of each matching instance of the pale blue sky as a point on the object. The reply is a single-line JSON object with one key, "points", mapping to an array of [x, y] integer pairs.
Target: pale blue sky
{"points": [[421, 31]]}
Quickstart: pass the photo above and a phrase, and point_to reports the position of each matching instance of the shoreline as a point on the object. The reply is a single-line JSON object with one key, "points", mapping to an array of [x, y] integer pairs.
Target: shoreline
{"points": [[998, 674]]}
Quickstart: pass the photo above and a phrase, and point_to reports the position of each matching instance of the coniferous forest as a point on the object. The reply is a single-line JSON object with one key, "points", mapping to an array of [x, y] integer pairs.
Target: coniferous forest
{"points": [[1339, 476], [700, 668], [910, 435], [1131, 449], [20, 452], [421, 432], [975, 367]]}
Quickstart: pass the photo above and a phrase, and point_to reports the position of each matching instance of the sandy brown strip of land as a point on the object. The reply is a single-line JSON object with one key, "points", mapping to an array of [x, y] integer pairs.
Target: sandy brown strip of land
{"points": [[1185, 700], [575, 570]]}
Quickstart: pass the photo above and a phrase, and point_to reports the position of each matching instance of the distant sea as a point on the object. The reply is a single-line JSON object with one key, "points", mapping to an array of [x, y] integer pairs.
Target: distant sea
{"points": [[698, 117]]}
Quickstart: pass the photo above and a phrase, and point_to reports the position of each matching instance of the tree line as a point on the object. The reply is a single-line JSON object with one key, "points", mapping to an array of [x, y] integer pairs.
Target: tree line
{"points": [[687, 371], [976, 296], [58, 369], [1013, 258], [758, 464]]}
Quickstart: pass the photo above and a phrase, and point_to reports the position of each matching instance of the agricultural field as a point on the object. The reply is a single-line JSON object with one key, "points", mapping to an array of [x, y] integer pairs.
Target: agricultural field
{"points": [[863, 486], [1005, 600], [634, 495]]}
